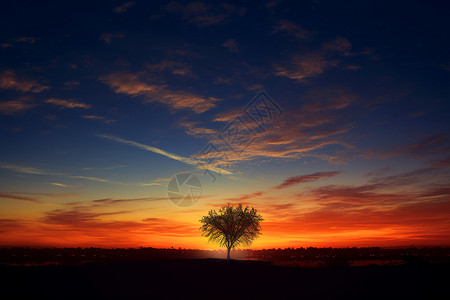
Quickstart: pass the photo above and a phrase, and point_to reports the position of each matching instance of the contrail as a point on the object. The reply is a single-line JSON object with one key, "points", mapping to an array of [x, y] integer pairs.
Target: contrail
{"points": [[186, 160]]}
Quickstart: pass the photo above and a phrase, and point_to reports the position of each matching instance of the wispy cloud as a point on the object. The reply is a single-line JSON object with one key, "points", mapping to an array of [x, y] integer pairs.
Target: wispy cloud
{"points": [[108, 37], [175, 68], [6, 45], [50, 196], [162, 179], [107, 202], [246, 197], [99, 118], [149, 184], [295, 180], [291, 181], [67, 103], [435, 144], [23, 39], [379, 172], [441, 163], [19, 198], [10, 80], [417, 185], [58, 184], [197, 131], [231, 45], [19, 105], [304, 131], [92, 179], [413, 179], [23, 169], [204, 14], [97, 179], [26, 39], [104, 168], [71, 83], [133, 85], [293, 29], [34, 171], [124, 7], [313, 63], [272, 4], [185, 160], [305, 66]]}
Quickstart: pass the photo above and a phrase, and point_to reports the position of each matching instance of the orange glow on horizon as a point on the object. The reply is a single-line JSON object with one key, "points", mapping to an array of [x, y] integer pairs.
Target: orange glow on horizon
{"points": [[288, 227]]}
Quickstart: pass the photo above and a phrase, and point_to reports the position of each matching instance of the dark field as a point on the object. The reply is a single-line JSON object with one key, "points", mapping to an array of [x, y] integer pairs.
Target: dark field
{"points": [[221, 279], [120, 275]]}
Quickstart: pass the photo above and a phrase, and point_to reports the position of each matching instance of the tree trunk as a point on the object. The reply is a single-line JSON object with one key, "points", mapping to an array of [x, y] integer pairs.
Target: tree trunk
{"points": [[228, 255]]}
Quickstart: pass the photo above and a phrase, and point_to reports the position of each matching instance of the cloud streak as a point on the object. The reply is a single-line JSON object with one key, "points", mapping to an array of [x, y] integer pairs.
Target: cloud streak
{"points": [[203, 14], [10, 80], [108, 37], [293, 29], [313, 63], [320, 122], [58, 184], [295, 180], [92, 178], [186, 160], [20, 198], [135, 85], [99, 118], [16, 106], [67, 103], [231, 45], [23, 169], [247, 196], [124, 7]]}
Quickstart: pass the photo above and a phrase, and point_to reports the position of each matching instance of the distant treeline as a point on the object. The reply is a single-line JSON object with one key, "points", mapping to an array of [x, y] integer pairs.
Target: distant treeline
{"points": [[31, 256]]}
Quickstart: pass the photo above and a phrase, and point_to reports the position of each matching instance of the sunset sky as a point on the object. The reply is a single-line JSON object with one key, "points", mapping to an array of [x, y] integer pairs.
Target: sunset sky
{"points": [[103, 102]]}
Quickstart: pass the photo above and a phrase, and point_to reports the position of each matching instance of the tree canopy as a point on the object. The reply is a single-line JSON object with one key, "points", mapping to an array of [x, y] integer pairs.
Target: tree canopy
{"points": [[231, 226]]}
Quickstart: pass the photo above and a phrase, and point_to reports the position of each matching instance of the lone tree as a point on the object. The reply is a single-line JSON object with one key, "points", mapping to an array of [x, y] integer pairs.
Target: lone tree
{"points": [[232, 226]]}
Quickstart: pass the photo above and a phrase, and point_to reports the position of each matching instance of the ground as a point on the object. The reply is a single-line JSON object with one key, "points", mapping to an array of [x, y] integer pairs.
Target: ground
{"points": [[221, 279]]}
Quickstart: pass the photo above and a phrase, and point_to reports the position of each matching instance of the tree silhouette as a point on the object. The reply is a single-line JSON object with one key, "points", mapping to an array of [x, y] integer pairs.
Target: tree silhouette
{"points": [[232, 226]]}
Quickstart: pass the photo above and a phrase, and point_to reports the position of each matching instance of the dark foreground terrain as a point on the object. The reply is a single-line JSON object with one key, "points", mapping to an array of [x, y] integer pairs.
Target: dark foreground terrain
{"points": [[221, 279]]}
